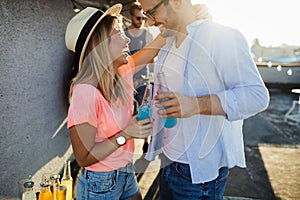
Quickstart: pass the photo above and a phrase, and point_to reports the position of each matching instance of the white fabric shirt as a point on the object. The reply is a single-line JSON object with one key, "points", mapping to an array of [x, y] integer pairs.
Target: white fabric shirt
{"points": [[218, 62], [173, 68]]}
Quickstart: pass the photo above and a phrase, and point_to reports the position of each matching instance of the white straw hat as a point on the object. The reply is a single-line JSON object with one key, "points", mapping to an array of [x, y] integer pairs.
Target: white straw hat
{"points": [[81, 27]]}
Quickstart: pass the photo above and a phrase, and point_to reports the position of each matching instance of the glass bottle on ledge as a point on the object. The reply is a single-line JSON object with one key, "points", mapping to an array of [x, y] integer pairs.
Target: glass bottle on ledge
{"points": [[55, 183], [145, 109], [67, 180], [28, 194], [163, 87], [45, 193]]}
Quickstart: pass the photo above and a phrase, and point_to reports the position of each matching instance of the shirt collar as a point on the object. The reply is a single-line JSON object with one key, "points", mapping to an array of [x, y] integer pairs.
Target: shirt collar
{"points": [[190, 29], [192, 26]]}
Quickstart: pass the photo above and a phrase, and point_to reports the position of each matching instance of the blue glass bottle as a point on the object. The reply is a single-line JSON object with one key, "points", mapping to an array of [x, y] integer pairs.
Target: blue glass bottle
{"points": [[145, 110], [163, 87]]}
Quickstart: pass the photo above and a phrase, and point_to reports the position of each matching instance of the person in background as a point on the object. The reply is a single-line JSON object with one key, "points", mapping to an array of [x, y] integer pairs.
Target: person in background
{"points": [[139, 37], [214, 86], [100, 118]]}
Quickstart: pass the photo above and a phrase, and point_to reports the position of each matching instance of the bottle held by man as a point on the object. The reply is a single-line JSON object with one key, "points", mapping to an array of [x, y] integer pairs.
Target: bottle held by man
{"points": [[163, 87]]}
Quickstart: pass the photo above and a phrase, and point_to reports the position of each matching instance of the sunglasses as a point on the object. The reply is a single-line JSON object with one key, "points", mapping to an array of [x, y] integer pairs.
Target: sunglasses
{"points": [[140, 18], [150, 12]]}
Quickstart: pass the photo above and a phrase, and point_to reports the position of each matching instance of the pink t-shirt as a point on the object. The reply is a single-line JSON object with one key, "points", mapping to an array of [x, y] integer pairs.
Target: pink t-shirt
{"points": [[89, 106]]}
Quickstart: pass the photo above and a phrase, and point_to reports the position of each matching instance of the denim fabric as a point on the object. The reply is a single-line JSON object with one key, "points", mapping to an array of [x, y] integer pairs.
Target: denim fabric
{"points": [[176, 184], [113, 185]]}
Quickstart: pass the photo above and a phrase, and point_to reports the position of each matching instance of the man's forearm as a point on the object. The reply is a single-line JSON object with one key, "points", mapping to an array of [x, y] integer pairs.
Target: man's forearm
{"points": [[209, 105]]}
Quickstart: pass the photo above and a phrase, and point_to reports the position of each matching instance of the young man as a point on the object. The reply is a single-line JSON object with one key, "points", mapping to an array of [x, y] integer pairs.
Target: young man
{"points": [[215, 86]]}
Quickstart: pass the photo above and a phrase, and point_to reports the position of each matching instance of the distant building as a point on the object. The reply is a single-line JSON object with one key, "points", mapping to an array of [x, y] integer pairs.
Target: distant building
{"points": [[280, 54]]}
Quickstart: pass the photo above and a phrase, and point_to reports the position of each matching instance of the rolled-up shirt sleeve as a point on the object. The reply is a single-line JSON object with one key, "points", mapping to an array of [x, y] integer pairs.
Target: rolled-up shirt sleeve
{"points": [[244, 93], [243, 102]]}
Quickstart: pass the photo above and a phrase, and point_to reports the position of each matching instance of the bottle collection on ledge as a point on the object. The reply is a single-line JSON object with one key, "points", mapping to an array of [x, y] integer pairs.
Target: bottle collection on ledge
{"points": [[51, 187]]}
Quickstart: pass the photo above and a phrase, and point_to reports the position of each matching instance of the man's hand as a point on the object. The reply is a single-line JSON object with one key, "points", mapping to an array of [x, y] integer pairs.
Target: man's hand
{"points": [[176, 105]]}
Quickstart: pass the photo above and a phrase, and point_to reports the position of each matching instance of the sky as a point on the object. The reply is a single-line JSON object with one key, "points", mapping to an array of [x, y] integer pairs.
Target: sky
{"points": [[274, 22]]}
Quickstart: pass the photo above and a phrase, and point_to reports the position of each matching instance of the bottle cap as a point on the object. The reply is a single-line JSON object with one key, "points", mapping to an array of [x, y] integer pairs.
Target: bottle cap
{"points": [[28, 184], [54, 176], [45, 182]]}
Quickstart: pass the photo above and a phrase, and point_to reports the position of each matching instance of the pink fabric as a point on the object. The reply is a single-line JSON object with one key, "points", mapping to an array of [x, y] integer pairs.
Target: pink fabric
{"points": [[89, 106]]}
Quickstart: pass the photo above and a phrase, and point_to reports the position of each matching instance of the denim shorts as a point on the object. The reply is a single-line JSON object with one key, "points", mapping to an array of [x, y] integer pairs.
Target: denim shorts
{"points": [[176, 184], [117, 184]]}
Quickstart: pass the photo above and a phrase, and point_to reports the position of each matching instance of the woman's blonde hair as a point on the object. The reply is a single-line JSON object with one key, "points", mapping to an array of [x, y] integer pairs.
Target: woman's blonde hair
{"points": [[97, 63]]}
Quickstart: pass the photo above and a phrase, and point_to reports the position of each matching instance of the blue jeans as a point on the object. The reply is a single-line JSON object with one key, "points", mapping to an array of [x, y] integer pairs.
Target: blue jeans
{"points": [[176, 184], [113, 185]]}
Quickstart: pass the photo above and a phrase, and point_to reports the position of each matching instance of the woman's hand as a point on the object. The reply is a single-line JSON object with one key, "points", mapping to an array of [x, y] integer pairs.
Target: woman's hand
{"points": [[138, 129], [88, 152]]}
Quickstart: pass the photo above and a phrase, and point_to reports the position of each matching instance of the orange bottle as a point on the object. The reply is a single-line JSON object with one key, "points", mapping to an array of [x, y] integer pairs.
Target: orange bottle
{"points": [[55, 183], [45, 193]]}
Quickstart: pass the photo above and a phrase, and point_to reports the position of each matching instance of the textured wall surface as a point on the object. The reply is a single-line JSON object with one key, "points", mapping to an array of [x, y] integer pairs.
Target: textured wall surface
{"points": [[35, 69]]}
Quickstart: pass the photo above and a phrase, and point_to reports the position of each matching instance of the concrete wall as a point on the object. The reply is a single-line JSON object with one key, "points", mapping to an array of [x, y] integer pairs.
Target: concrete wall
{"points": [[35, 69]]}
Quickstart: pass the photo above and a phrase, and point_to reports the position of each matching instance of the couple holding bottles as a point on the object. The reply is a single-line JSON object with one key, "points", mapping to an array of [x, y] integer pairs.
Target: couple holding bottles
{"points": [[214, 85]]}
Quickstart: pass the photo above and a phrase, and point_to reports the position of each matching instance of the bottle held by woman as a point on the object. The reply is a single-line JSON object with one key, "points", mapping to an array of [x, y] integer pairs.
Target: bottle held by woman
{"points": [[145, 110]]}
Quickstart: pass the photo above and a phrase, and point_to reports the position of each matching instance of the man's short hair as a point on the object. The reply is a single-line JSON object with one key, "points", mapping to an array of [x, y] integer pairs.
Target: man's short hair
{"points": [[134, 6]]}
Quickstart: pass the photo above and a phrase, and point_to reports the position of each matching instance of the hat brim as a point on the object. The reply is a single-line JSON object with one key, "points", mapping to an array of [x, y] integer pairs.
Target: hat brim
{"points": [[114, 10]]}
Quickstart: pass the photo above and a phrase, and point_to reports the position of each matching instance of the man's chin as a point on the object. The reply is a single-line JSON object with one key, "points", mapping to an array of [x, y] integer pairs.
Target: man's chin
{"points": [[164, 32], [138, 26], [167, 33]]}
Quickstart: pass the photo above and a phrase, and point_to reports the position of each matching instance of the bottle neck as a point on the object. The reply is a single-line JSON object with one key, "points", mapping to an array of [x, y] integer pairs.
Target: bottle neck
{"points": [[46, 188], [147, 95], [56, 182], [29, 189], [55, 179], [67, 171], [162, 82]]}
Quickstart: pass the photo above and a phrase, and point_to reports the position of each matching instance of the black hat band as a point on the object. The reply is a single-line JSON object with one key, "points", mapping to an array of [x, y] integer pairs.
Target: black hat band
{"points": [[84, 34]]}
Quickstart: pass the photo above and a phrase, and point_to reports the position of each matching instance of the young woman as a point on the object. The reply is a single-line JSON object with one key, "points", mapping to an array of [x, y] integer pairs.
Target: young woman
{"points": [[101, 101]]}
